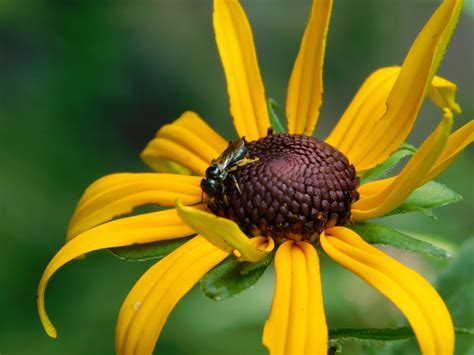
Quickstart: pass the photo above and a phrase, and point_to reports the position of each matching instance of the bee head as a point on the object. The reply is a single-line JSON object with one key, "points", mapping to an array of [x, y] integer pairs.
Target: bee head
{"points": [[213, 171]]}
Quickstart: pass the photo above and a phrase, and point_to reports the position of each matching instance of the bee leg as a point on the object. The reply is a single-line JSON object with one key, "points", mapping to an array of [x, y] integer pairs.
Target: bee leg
{"points": [[226, 199], [236, 184]]}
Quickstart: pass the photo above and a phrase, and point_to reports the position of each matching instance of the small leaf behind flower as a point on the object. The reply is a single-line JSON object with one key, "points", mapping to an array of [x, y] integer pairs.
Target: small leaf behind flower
{"points": [[228, 278], [262, 263], [426, 197], [377, 234], [274, 120], [149, 251], [382, 334], [382, 169]]}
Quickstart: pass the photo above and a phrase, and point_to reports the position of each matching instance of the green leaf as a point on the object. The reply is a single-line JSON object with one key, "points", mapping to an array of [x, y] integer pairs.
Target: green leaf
{"points": [[377, 234], [227, 279], [383, 168], [143, 252], [426, 197], [274, 120], [264, 262], [381, 334]]}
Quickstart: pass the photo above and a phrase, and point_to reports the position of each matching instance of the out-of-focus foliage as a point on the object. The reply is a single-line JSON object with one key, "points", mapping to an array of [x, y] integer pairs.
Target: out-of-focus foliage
{"points": [[455, 285], [85, 84]]}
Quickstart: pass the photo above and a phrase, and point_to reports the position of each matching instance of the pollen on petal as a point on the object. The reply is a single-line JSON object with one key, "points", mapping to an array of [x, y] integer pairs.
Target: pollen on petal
{"points": [[137, 305]]}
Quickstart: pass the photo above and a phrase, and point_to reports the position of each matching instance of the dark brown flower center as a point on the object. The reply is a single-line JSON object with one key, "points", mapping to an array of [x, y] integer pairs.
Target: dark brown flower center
{"points": [[297, 187]]}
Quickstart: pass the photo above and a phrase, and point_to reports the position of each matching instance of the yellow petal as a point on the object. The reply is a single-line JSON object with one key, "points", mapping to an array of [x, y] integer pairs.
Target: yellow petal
{"points": [[118, 194], [305, 89], [410, 88], [221, 232], [263, 243], [409, 292], [374, 187], [297, 324], [187, 142], [443, 94], [168, 167], [141, 229], [412, 175], [365, 109], [151, 300], [244, 84], [357, 123], [457, 142]]}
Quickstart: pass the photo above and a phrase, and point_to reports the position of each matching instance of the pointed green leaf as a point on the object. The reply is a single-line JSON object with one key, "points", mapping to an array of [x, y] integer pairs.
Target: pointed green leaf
{"points": [[381, 334], [384, 168], [149, 251], [377, 234], [426, 197], [227, 279], [274, 120]]}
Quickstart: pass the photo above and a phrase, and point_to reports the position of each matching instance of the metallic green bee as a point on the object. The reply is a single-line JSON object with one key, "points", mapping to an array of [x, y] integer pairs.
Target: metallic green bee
{"points": [[216, 174]]}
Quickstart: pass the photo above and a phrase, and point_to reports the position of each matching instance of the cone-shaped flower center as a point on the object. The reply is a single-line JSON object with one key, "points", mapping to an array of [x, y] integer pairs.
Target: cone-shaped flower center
{"points": [[290, 186]]}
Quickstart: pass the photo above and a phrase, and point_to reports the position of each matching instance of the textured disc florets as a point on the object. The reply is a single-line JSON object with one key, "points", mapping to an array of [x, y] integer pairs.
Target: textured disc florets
{"points": [[297, 187]]}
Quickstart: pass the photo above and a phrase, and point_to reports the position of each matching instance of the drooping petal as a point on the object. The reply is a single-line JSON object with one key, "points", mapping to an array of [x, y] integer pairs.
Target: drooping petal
{"points": [[118, 194], [457, 142], [297, 324], [149, 303], [305, 89], [409, 292], [221, 232], [409, 89], [371, 205], [266, 244], [443, 94], [187, 142], [369, 104], [146, 228], [234, 38]]}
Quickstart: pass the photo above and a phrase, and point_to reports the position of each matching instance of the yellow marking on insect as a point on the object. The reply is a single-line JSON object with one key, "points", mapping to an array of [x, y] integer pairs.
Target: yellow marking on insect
{"points": [[243, 162]]}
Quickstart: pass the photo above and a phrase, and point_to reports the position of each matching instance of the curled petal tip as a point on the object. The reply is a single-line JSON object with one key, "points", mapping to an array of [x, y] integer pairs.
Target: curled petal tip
{"points": [[222, 232], [51, 331]]}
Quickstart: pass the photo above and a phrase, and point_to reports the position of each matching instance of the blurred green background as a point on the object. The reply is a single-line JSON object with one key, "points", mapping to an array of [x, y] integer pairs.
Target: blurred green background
{"points": [[85, 85]]}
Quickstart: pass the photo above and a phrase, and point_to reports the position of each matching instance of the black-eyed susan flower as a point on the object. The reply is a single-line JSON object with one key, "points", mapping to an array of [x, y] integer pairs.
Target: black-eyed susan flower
{"points": [[282, 193]]}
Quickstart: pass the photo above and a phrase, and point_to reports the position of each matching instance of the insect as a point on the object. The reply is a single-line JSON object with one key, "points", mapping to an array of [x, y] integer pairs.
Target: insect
{"points": [[233, 156]]}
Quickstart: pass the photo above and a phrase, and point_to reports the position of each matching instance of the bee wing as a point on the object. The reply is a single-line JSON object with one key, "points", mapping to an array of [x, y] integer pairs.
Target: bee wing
{"points": [[230, 153]]}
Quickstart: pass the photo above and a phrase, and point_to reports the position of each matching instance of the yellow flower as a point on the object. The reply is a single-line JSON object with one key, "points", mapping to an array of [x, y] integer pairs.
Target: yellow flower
{"points": [[375, 124]]}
